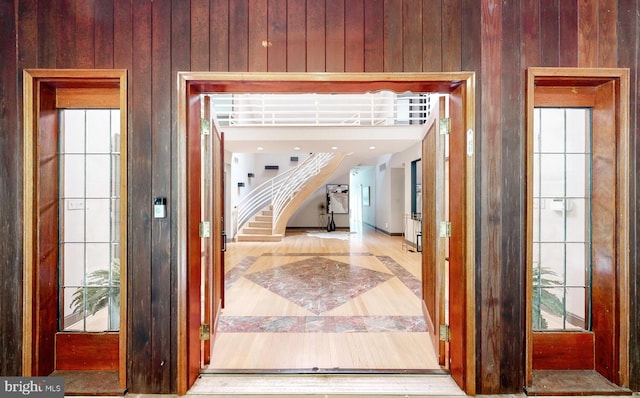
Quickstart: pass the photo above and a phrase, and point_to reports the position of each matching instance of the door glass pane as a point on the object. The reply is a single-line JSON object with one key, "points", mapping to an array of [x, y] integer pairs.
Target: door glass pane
{"points": [[561, 219], [89, 220]]}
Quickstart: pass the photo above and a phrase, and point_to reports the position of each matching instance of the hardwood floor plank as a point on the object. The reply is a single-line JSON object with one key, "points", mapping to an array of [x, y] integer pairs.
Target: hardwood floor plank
{"points": [[368, 317], [327, 385], [322, 351]]}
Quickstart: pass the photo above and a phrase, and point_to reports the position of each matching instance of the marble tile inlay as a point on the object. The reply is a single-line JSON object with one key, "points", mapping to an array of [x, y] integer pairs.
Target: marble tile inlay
{"points": [[321, 324], [318, 284], [235, 273], [410, 281]]}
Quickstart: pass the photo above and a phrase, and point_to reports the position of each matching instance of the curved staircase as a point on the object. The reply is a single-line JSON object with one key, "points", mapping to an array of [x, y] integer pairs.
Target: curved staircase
{"points": [[263, 214]]}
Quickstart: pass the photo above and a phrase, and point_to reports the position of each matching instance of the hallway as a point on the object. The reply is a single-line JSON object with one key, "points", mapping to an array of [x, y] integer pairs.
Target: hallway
{"points": [[323, 302]]}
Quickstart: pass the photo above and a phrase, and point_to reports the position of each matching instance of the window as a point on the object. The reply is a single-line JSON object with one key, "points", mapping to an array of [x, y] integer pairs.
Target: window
{"points": [[561, 218], [89, 255]]}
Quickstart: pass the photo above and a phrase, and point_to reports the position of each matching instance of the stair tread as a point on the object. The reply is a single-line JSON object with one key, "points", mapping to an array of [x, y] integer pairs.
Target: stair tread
{"points": [[259, 238]]}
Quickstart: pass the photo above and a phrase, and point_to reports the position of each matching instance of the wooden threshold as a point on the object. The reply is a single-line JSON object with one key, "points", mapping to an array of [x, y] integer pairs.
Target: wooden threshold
{"points": [[90, 382], [312, 386], [323, 371], [572, 382]]}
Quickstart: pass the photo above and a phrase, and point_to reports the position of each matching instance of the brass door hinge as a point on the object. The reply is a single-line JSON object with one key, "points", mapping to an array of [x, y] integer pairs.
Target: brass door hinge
{"points": [[445, 125], [205, 332], [205, 126], [445, 229], [204, 229], [445, 333]]}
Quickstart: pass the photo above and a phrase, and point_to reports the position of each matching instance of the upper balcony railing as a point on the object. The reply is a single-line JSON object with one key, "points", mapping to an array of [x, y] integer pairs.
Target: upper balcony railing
{"points": [[383, 108]]}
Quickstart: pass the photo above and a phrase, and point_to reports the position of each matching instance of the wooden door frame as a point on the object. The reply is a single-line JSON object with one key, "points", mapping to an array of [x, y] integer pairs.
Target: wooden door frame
{"points": [[461, 85], [579, 86], [86, 84]]}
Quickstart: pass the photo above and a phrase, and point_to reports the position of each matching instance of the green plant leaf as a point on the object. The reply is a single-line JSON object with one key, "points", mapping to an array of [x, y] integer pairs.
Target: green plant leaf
{"points": [[102, 285], [543, 299]]}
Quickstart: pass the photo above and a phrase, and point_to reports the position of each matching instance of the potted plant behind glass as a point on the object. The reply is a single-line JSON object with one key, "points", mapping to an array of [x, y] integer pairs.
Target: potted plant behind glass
{"points": [[543, 299], [102, 290]]}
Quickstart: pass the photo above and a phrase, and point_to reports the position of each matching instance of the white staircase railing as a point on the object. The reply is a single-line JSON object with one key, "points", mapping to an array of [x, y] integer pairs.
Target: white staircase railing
{"points": [[296, 181], [279, 190]]}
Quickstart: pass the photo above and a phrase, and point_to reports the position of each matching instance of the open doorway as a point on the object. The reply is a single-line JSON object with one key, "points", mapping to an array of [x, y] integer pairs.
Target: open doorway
{"points": [[323, 299], [459, 85]]}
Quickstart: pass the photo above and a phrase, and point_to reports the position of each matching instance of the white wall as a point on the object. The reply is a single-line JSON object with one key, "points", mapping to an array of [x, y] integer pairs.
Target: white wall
{"points": [[383, 193], [396, 205], [309, 214]]}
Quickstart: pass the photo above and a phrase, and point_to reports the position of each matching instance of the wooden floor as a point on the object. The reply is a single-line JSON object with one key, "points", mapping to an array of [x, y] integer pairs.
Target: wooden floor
{"points": [[323, 302]]}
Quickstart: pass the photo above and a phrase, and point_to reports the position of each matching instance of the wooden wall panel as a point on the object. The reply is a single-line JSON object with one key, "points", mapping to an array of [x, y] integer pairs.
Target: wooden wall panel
{"points": [[219, 37], [66, 27], [181, 54], [451, 35], [607, 33], [530, 23], [161, 132], [277, 36], [335, 36], [316, 33], [103, 34], [490, 233], [550, 32], [568, 33], [296, 36], [354, 36], [27, 22], [258, 35], [46, 35], [372, 40], [238, 36], [84, 34], [123, 39], [10, 174], [141, 350], [392, 35], [199, 23], [432, 36], [587, 33], [512, 160], [412, 36]]}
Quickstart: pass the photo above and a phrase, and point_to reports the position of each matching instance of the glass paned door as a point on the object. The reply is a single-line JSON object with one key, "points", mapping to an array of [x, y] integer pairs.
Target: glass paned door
{"points": [[562, 219], [89, 195]]}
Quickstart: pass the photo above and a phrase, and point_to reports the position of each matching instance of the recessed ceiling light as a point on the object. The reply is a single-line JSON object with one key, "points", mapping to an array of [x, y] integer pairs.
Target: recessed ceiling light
{"points": [[260, 148], [372, 147], [334, 147], [296, 148]]}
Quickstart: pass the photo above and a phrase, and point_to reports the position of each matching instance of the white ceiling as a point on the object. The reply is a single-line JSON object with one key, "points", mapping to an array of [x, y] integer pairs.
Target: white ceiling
{"points": [[353, 140]]}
